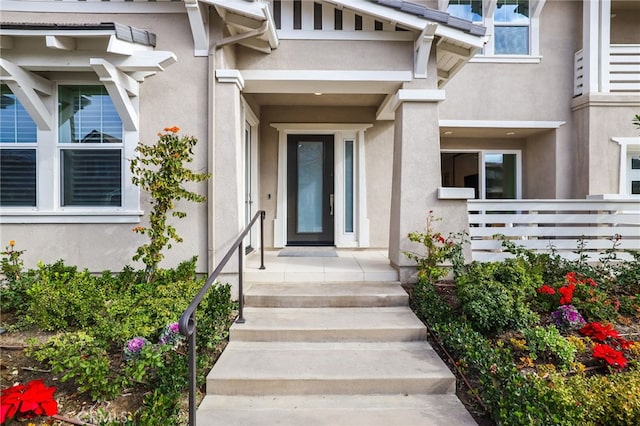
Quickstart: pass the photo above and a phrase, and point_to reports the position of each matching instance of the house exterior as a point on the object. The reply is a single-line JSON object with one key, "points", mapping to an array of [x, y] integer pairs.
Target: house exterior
{"points": [[347, 121]]}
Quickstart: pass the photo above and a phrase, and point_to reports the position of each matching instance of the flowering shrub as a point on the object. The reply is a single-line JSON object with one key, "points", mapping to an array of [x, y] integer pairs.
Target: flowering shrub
{"points": [[582, 292], [134, 347], [27, 401], [567, 316], [11, 263], [160, 170], [438, 251]]}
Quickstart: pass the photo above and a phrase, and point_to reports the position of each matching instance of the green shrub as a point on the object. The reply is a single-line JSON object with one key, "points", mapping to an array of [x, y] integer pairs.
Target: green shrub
{"points": [[514, 398], [494, 296], [547, 342], [80, 358], [61, 298], [510, 396]]}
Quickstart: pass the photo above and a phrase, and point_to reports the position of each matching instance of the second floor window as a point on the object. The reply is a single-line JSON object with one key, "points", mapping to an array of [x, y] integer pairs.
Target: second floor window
{"points": [[511, 27], [508, 27]]}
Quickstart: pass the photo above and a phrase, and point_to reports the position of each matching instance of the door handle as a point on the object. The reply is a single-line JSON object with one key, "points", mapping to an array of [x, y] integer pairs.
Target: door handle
{"points": [[331, 199]]}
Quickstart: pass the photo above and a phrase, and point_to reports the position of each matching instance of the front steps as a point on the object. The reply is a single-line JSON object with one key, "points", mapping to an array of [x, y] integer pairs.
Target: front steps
{"points": [[349, 353]]}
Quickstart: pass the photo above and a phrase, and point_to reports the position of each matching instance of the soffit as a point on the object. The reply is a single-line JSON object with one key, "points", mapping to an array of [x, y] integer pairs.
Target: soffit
{"points": [[312, 100], [472, 129]]}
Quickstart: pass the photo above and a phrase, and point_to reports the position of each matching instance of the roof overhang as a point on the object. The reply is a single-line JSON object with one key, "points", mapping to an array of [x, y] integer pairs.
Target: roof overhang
{"points": [[456, 41], [120, 56]]}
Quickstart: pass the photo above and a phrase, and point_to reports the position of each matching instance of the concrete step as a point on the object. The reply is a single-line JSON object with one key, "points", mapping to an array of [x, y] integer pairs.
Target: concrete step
{"points": [[303, 368], [332, 410], [326, 294], [396, 323]]}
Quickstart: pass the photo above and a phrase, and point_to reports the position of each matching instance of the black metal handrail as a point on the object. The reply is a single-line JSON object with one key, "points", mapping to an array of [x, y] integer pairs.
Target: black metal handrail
{"points": [[187, 320]]}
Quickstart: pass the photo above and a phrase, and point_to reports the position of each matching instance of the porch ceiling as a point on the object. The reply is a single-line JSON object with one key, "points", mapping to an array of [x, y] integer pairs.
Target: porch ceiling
{"points": [[337, 100], [494, 129]]}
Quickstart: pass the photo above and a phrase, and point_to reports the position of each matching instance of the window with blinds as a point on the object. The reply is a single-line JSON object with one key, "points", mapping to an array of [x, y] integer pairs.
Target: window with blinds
{"points": [[18, 144], [90, 136]]}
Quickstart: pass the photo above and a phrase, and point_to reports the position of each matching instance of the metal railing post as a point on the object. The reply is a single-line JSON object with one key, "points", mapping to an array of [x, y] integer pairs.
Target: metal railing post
{"points": [[240, 319], [262, 215], [192, 372]]}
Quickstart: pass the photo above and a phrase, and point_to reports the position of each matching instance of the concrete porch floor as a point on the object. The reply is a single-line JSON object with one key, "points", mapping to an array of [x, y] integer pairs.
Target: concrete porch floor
{"points": [[350, 265]]}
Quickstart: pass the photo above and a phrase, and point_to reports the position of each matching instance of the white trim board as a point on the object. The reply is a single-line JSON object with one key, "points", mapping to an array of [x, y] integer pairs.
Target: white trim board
{"points": [[502, 124], [92, 7]]}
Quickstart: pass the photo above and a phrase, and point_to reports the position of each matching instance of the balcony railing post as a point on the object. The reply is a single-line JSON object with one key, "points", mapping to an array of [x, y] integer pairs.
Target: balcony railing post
{"points": [[262, 214], [192, 372], [240, 319]]}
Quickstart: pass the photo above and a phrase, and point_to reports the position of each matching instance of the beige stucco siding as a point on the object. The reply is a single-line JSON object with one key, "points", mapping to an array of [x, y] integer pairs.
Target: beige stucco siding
{"points": [[330, 55], [176, 96]]}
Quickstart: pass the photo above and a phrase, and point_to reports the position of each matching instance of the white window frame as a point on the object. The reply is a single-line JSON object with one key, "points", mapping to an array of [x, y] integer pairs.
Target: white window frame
{"points": [[628, 147], [251, 124], [487, 54], [482, 168], [48, 191]]}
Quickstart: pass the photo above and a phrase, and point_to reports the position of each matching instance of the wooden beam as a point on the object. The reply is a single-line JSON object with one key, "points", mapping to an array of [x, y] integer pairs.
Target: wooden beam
{"points": [[120, 87], [199, 27], [26, 85], [451, 49], [422, 49], [60, 42]]}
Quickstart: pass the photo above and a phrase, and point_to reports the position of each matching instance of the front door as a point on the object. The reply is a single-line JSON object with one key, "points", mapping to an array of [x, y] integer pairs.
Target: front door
{"points": [[310, 215]]}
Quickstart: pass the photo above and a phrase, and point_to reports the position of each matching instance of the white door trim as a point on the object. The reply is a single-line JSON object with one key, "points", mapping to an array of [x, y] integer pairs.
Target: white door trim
{"points": [[341, 132]]}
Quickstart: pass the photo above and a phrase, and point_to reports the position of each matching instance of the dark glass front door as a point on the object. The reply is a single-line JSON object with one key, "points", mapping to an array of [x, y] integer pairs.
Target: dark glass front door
{"points": [[310, 190]]}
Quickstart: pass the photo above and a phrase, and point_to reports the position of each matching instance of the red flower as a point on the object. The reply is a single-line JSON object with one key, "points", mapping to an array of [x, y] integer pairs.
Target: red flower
{"points": [[567, 293], [571, 277], [610, 355], [30, 400], [599, 331], [545, 289]]}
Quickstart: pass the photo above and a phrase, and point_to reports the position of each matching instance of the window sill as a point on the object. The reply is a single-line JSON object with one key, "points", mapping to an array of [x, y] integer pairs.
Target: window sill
{"points": [[515, 59], [75, 216]]}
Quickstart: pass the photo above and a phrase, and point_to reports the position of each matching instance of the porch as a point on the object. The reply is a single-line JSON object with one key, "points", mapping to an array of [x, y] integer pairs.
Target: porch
{"points": [[321, 265]]}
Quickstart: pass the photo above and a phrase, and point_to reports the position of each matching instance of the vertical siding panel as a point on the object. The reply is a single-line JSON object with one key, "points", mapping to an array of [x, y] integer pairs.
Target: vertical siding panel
{"points": [[368, 23], [328, 17], [286, 19], [307, 15], [348, 20]]}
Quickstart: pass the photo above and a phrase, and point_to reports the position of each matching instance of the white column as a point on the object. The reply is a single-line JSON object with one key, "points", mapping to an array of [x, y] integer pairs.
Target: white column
{"points": [[596, 44], [605, 44]]}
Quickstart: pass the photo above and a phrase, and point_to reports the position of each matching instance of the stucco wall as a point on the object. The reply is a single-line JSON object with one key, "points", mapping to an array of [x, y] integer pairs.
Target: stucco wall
{"points": [[163, 103], [330, 55], [600, 121], [528, 92]]}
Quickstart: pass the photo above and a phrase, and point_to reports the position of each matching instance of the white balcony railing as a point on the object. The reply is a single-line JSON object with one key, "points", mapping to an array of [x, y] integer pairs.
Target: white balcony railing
{"points": [[624, 69], [541, 225]]}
